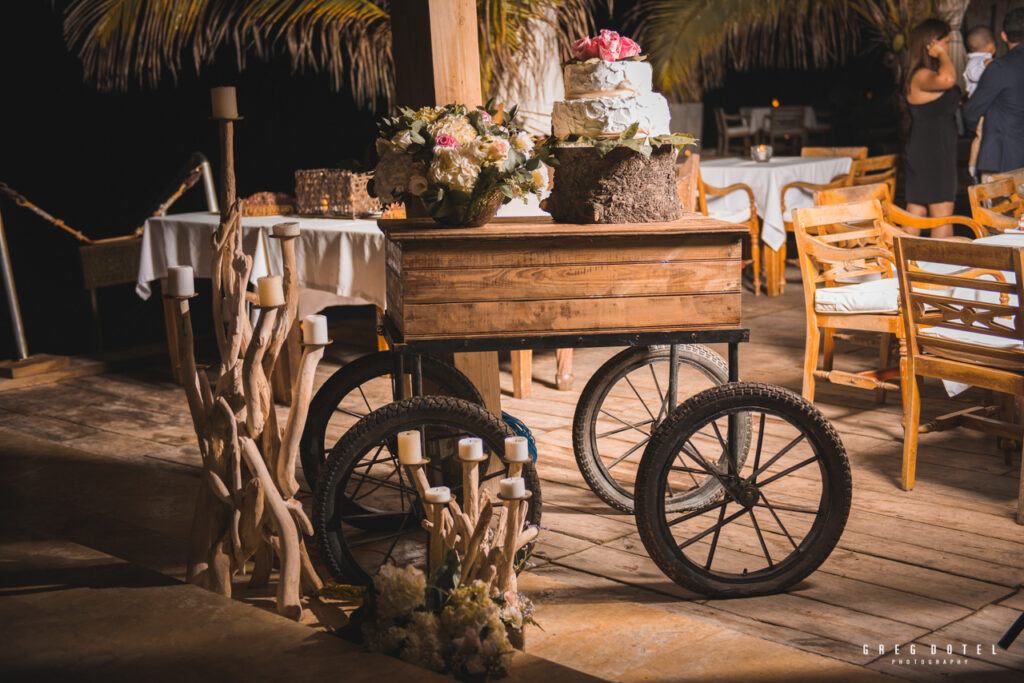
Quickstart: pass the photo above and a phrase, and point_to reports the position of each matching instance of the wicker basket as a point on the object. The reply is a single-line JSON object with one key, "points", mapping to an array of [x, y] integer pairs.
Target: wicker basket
{"points": [[334, 192]]}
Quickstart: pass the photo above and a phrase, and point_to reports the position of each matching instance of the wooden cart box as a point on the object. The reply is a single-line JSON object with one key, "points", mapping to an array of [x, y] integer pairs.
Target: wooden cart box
{"points": [[519, 276]]}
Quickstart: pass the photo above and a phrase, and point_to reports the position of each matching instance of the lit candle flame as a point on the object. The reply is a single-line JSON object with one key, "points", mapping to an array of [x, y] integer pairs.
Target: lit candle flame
{"points": [[775, 102]]}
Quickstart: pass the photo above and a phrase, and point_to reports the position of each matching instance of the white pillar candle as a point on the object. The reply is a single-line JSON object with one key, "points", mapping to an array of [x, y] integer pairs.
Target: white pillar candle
{"points": [[409, 452], [270, 290], [513, 487], [314, 329], [181, 281], [517, 449], [225, 106], [471, 449], [290, 229], [438, 495]]}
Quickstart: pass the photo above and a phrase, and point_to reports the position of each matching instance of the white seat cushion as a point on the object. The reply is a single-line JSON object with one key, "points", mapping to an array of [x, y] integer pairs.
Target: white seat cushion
{"points": [[875, 296], [973, 337]]}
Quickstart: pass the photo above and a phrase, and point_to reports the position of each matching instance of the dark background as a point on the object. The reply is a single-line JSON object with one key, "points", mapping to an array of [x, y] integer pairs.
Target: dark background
{"points": [[100, 161]]}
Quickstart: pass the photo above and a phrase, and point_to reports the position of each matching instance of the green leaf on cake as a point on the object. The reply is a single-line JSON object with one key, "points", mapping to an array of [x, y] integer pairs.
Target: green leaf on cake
{"points": [[630, 132]]}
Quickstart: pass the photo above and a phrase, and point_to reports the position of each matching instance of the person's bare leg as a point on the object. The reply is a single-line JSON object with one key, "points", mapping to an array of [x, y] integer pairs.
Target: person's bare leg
{"points": [[918, 210], [941, 210]]}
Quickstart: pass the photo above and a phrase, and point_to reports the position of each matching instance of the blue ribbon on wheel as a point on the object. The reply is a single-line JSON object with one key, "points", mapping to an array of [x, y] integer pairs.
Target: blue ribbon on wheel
{"points": [[521, 429]]}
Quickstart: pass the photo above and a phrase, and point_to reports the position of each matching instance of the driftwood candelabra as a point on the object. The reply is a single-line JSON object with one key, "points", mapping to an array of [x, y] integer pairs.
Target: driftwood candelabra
{"points": [[486, 547], [246, 509]]}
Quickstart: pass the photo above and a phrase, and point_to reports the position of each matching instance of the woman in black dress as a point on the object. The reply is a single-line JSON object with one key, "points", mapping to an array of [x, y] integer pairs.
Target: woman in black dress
{"points": [[932, 95]]}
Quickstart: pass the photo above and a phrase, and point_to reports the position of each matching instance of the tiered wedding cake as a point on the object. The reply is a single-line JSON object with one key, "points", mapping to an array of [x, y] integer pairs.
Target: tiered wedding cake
{"points": [[616, 154], [605, 98]]}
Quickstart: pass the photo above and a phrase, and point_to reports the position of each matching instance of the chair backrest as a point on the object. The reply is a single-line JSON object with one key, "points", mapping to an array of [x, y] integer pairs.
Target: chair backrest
{"points": [[972, 313], [1004, 204], [787, 120], [852, 152], [687, 181], [881, 169], [853, 193], [830, 251], [1016, 176]]}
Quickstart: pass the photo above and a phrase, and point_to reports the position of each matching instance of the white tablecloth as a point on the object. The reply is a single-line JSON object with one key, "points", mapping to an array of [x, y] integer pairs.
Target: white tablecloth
{"points": [[766, 180], [339, 262], [760, 117]]}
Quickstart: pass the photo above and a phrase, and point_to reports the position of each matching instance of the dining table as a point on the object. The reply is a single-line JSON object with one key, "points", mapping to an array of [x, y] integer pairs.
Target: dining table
{"points": [[760, 118], [766, 179]]}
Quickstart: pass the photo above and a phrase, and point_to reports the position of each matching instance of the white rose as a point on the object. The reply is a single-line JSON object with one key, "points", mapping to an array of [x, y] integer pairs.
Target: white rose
{"points": [[522, 142], [540, 177], [417, 185]]}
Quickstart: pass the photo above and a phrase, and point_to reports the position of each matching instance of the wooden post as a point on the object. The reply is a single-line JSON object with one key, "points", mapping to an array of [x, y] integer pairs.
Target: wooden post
{"points": [[437, 61]]}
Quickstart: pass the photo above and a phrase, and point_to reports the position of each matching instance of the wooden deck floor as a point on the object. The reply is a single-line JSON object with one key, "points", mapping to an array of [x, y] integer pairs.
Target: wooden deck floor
{"points": [[940, 565]]}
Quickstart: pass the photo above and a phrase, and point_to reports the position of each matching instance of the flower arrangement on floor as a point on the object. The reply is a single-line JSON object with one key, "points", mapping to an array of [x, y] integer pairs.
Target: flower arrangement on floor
{"points": [[461, 163]]}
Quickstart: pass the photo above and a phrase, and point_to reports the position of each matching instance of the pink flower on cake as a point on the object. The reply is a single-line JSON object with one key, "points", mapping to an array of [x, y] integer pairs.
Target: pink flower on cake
{"points": [[608, 45], [445, 140], [628, 48], [584, 48]]}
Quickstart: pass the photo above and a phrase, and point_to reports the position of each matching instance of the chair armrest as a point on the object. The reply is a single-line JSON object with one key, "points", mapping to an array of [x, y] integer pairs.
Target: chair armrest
{"points": [[836, 182], [907, 219], [722, 191], [996, 221]]}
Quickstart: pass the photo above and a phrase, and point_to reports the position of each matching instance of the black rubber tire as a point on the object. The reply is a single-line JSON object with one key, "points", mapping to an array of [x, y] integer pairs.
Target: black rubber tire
{"points": [[585, 441], [438, 378], [833, 503], [383, 425]]}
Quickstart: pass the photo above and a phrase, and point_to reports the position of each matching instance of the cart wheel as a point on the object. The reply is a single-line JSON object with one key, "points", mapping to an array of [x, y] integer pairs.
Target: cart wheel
{"points": [[366, 511], [622, 404], [359, 388], [783, 510]]}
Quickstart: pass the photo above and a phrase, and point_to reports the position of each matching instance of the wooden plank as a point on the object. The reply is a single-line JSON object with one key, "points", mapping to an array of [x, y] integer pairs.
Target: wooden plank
{"points": [[37, 364], [522, 373], [568, 251], [568, 282], [517, 228], [512, 318], [482, 370]]}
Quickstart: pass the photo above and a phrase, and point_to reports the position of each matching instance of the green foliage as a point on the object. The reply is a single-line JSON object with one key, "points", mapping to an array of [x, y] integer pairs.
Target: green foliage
{"points": [[547, 153]]}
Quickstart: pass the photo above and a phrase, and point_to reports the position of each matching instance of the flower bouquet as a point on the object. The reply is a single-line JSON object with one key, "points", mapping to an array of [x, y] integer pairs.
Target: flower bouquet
{"points": [[461, 164], [441, 624]]}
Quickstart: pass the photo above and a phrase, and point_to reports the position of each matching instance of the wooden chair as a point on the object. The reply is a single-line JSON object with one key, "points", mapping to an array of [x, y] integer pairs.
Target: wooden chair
{"points": [[854, 153], [694, 193], [893, 214], [787, 123], [775, 261], [732, 126], [967, 332], [832, 260], [747, 216], [875, 170], [996, 205], [1016, 175]]}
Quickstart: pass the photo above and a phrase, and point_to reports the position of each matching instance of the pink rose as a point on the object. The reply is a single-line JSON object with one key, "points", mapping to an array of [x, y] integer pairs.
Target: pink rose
{"points": [[445, 140], [485, 116], [584, 48], [628, 48], [608, 45]]}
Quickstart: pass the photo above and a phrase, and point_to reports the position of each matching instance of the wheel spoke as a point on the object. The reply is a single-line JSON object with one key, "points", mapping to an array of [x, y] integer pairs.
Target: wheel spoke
{"points": [[786, 471], [709, 530], [350, 413], [788, 447], [639, 397], [786, 508], [777, 520], [403, 531], [697, 512], [760, 537], [631, 426], [366, 402], [707, 467], [373, 461], [714, 539], [623, 429], [627, 453], [760, 441], [382, 483], [664, 396]]}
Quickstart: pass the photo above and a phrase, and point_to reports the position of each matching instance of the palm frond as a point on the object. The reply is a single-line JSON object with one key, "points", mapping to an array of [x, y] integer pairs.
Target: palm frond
{"points": [[691, 43], [121, 41]]}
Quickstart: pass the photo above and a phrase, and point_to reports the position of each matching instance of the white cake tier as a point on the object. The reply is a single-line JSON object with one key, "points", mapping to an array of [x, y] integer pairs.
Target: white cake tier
{"points": [[603, 116], [582, 79]]}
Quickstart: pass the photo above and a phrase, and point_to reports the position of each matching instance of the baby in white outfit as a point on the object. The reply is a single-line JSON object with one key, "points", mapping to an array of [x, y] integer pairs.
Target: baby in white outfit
{"points": [[982, 45]]}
